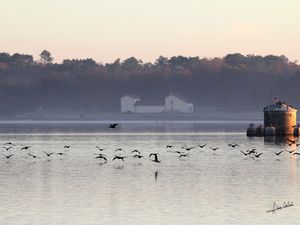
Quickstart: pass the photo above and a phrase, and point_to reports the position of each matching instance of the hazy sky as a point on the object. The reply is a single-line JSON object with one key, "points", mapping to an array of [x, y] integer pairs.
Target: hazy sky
{"points": [[110, 29]]}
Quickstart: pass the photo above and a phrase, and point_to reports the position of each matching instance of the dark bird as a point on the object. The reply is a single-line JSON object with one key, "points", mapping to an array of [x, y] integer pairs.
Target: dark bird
{"points": [[187, 149], [278, 153], [99, 154], [214, 149], [100, 149], [136, 151], [245, 154], [253, 151], [292, 141], [119, 157], [119, 150], [291, 151], [178, 152], [296, 153], [202, 146], [60, 153], [233, 145], [33, 156], [101, 157], [7, 156], [67, 146], [49, 154], [7, 148], [169, 146], [9, 143], [155, 157], [113, 125], [183, 155], [25, 148], [138, 156], [257, 155]]}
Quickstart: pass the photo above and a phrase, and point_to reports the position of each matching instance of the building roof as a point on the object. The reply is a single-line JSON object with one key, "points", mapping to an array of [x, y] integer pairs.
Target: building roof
{"points": [[131, 96], [182, 98], [280, 106]]}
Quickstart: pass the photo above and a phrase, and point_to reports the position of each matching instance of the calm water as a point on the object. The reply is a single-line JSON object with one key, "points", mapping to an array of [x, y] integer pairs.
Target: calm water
{"points": [[222, 187]]}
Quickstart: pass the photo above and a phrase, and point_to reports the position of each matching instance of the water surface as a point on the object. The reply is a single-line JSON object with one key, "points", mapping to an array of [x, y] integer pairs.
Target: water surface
{"points": [[222, 187]]}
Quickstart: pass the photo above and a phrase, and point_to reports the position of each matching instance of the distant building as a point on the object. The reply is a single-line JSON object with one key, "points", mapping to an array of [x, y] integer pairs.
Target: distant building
{"points": [[281, 116], [128, 102], [172, 103], [176, 103], [149, 106]]}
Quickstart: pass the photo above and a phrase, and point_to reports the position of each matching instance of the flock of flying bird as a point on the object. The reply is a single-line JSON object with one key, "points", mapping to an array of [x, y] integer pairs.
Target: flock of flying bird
{"points": [[154, 157]]}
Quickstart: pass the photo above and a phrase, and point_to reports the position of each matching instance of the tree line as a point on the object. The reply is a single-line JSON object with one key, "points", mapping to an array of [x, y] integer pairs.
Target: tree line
{"points": [[234, 82]]}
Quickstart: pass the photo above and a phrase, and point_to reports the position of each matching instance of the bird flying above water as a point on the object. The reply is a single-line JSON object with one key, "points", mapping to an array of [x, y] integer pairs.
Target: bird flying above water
{"points": [[155, 157], [113, 125]]}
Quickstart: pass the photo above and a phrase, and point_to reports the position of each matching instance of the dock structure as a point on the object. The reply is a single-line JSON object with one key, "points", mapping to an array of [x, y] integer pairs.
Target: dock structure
{"points": [[280, 119]]}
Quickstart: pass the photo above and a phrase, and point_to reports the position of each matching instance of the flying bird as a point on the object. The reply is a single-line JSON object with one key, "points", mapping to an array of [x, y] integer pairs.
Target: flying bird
{"points": [[7, 148], [233, 145], [8, 156], [292, 141], [214, 149], [245, 154], [138, 156], [60, 153], [202, 146], [100, 149], [291, 151], [100, 154], [183, 155], [120, 150], [67, 146], [169, 146], [25, 148], [33, 156], [113, 125], [155, 157], [253, 151], [178, 152], [9, 143], [101, 157], [136, 151], [257, 155], [278, 153], [49, 154], [188, 149], [119, 157]]}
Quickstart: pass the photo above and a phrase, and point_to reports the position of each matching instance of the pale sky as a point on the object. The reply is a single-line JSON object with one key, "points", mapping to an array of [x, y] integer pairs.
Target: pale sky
{"points": [[109, 29]]}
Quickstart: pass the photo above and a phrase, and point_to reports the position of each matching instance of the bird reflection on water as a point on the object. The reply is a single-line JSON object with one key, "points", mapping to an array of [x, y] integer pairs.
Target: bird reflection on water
{"points": [[113, 190], [156, 175]]}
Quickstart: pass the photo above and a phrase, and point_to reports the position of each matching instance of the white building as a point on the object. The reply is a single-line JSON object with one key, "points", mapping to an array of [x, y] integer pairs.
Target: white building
{"points": [[149, 107], [128, 102], [175, 103], [172, 103]]}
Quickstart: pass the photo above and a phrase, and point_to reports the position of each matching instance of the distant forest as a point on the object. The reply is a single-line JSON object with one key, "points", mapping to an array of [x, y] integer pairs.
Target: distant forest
{"points": [[235, 82]]}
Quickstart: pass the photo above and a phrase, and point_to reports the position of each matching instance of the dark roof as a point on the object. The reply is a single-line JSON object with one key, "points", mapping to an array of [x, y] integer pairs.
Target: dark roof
{"points": [[280, 106], [182, 98]]}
